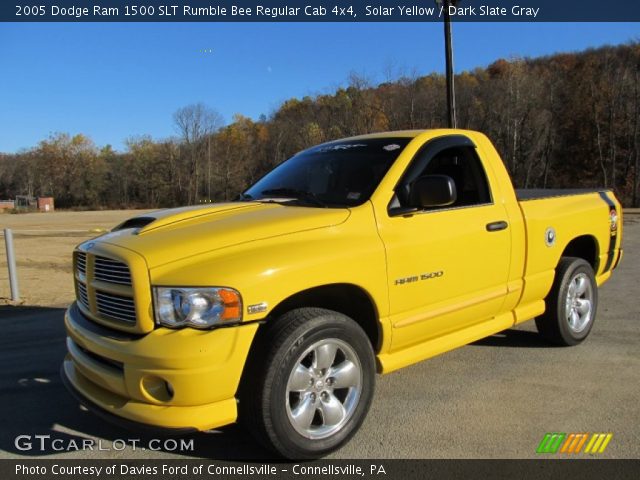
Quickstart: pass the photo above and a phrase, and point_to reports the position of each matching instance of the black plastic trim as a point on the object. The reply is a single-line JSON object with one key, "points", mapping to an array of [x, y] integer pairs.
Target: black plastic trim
{"points": [[104, 361], [527, 194]]}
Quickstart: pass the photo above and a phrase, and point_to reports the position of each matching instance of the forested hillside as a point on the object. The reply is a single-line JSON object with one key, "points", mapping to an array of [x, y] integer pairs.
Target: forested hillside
{"points": [[569, 120]]}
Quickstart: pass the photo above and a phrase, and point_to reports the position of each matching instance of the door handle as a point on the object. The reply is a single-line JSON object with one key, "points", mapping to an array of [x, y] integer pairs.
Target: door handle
{"points": [[497, 226]]}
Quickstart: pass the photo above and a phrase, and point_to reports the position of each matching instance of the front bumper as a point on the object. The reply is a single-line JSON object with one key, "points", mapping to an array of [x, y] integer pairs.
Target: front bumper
{"points": [[172, 379]]}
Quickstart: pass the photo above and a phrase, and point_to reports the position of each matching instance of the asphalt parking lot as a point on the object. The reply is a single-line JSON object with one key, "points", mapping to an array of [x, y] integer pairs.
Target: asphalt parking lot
{"points": [[493, 399]]}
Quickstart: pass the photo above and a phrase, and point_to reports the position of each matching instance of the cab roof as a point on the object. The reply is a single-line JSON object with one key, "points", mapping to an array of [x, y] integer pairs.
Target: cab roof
{"points": [[406, 133]]}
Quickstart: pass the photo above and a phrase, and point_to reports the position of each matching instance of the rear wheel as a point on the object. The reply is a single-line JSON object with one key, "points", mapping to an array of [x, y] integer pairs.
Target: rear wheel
{"points": [[310, 383], [571, 304]]}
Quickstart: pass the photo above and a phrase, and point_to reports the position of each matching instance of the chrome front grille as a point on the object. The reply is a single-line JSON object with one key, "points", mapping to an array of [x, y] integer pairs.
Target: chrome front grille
{"points": [[104, 290], [81, 263], [111, 271], [116, 307], [83, 296]]}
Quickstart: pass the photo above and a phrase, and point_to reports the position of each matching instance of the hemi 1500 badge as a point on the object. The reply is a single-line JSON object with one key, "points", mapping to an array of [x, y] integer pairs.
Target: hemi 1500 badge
{"points": [[417, 278]]}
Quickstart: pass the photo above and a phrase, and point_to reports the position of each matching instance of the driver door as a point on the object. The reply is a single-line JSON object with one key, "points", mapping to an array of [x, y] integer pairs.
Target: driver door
{"points": [[447, 266]]}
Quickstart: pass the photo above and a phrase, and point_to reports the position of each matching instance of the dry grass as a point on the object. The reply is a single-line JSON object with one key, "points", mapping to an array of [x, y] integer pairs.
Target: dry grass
{"points": [[43, 243]]}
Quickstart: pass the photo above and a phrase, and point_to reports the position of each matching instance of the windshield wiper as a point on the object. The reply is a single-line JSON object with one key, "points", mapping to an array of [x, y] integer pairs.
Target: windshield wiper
{"points": [[304, 195]]}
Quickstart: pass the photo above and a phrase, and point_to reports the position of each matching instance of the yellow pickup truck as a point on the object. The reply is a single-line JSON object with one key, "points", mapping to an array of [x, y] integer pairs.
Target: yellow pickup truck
{"points": [[354, 257]]}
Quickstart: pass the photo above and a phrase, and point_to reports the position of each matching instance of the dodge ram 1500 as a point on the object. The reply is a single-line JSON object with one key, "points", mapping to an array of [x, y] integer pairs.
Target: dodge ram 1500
{"points": [[354, 257]]}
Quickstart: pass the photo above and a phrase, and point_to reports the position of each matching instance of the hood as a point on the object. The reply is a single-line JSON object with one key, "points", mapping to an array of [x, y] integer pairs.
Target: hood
{"points": [[168, 235]]}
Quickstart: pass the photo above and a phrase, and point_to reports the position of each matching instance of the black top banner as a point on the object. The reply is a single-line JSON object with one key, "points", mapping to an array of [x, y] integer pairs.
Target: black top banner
{"points": [[317, 11]]}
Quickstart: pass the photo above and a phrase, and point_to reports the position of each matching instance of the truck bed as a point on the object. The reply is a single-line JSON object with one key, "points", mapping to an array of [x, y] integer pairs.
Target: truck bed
{"points": [[525, 194], [555, 218]]}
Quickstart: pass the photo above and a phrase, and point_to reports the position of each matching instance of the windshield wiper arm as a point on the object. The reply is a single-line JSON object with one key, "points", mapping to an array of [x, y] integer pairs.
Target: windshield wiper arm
{"points": [[296, 194]]}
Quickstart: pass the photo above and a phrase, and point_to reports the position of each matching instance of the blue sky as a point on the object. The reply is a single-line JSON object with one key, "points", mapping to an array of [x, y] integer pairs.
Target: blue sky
{"points": [[111, 81]]}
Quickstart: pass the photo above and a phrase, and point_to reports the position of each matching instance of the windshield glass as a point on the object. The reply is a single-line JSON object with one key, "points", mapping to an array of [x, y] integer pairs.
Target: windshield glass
{"points": [[337, 174]]}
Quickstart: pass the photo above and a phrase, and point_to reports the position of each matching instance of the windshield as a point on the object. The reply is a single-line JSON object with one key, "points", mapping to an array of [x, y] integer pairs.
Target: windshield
{"points": [[337, 174]]}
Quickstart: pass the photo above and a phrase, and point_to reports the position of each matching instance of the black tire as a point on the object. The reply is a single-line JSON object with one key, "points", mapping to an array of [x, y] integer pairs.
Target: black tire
{"points": [[557, 324], [267, 403]]}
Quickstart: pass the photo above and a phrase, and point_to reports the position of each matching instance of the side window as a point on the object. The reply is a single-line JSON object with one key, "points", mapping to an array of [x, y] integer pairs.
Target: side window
{"points": [[465, 168], [451, 155]]}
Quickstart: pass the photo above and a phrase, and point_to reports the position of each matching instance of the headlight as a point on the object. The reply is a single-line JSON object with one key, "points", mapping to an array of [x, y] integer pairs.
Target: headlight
{"points": [[196, 307]]}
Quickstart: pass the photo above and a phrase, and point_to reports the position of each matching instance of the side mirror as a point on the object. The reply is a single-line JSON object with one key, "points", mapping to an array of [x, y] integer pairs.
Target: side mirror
{"points": [[432, 191]]}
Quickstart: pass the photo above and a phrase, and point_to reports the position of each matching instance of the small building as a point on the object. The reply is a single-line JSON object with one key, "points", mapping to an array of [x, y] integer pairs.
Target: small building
{"points": [[27, 203], [45, 204], [7, 205]]}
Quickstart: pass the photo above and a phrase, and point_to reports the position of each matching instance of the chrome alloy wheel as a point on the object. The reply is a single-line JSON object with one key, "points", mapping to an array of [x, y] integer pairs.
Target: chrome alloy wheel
{"points": [[324, 388], [579, 303]]}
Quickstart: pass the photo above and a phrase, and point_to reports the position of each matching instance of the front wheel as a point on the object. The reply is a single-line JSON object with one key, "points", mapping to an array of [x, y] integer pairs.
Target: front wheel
{"points": [[571, 304], [310, 384]]}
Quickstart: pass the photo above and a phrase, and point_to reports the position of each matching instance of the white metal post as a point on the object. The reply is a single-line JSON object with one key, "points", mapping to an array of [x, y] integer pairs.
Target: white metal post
{"points": [[11, 262]]}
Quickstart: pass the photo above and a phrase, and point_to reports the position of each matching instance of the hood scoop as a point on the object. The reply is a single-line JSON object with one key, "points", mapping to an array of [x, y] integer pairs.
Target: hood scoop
{"points": [[135, 222]]}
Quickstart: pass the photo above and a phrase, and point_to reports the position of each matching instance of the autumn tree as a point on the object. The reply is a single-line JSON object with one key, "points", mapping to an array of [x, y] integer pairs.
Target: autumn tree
{"points": [[568, 120]]}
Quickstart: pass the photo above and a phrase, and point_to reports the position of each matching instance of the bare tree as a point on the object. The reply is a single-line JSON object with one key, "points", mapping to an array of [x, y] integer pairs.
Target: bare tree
{"points": [[195, 124]]}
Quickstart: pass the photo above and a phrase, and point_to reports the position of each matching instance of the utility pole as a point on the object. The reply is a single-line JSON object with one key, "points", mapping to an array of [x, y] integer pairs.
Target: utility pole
{"points": [[448, 51]]}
